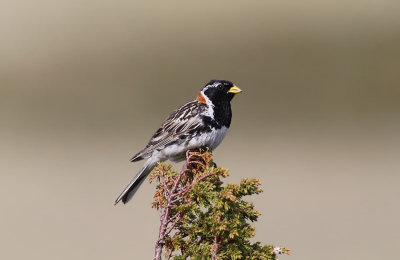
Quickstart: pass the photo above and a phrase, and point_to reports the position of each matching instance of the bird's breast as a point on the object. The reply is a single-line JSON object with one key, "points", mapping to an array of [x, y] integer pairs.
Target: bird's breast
{"points": [[212, 138]]}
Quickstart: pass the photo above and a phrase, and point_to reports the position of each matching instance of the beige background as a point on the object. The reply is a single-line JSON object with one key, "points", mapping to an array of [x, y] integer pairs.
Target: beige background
{"points": [[84, 84]]}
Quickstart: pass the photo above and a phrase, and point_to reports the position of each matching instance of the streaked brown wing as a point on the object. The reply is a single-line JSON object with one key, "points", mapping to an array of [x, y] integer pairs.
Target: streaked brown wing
{"points": [[180, 122]]}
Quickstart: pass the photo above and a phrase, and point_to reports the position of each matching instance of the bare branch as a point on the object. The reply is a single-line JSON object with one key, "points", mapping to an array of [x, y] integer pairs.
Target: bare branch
{"points": [[215, 248], [173, 225]]}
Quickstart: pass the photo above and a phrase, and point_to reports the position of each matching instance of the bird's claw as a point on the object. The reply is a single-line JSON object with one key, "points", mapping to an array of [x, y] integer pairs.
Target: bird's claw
{"points": [[204, 149]]}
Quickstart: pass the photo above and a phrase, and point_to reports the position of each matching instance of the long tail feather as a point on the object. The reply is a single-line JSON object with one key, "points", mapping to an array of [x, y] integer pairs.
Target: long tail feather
{"points": [[134, 185]]}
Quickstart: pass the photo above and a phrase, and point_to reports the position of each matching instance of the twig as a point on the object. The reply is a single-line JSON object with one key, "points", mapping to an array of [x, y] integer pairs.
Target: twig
{"points": [[215, 248], [173, 225], [186, 189]]}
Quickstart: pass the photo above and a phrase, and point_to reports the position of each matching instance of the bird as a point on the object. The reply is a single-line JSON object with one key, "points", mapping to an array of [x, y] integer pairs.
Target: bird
{"points": [[201, 123]]}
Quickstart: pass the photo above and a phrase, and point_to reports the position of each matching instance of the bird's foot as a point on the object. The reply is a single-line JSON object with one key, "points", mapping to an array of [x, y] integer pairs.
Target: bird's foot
{"points": [[204, 149]]}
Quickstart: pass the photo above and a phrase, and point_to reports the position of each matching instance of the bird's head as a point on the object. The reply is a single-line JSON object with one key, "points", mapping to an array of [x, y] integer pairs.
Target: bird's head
{"points": [[218, 91]]}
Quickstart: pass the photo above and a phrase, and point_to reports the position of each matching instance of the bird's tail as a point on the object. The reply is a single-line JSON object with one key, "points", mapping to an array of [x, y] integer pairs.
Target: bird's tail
{"points": [[134, 185]]}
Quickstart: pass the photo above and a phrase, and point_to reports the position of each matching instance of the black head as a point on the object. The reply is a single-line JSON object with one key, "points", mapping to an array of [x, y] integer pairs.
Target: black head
{"points": [[218, 91]]}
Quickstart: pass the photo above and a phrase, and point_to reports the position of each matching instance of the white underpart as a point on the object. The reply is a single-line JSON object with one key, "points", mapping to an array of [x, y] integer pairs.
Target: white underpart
{"points": [[211, 139], [177, 152]]}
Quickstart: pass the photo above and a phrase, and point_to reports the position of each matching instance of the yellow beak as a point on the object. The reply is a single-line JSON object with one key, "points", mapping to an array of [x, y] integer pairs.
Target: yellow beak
{"points": [[234, 90]]}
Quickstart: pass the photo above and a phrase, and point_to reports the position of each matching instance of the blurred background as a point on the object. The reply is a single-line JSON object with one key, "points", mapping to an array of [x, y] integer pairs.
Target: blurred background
{"points": [[84, 85]]}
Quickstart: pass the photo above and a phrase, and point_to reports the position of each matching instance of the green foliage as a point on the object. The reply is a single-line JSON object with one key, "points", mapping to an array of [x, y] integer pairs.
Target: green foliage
{"points": [[205, 219]]}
